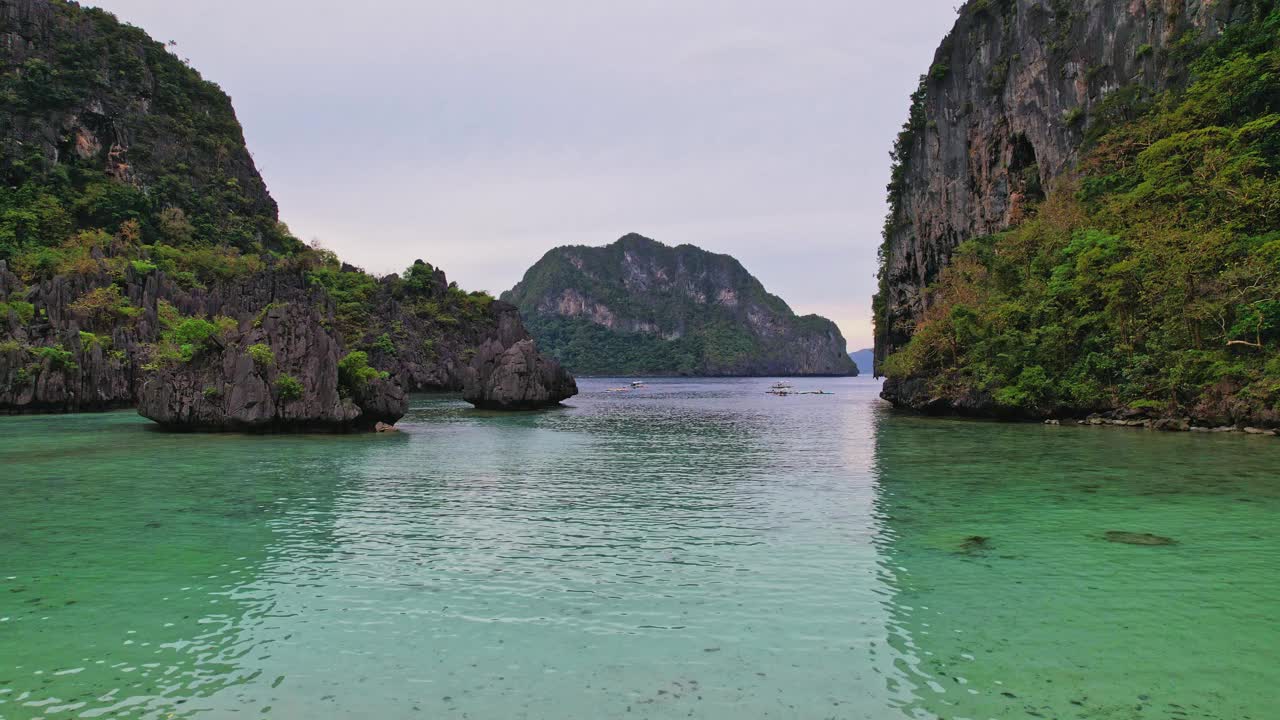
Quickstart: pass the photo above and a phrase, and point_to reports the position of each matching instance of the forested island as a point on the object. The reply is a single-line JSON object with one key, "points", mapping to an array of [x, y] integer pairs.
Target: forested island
{"points": [[142, 260], [639, 307], [1085, 217]]}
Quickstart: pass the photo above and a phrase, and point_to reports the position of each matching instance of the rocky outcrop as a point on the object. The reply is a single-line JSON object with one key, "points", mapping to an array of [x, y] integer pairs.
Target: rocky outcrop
{"points": [[1002, 114], [508, 373], [1220, 411], [55, 358], [292, 384], [915, 394], [71, 355], [638, 307]]}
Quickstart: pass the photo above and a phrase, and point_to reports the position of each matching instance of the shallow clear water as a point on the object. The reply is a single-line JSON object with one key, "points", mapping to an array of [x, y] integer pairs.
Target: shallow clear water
{"points": [[694, 549]]}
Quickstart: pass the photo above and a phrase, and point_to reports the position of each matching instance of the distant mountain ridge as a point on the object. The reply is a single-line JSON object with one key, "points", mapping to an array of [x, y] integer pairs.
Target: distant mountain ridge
{"points": [[639, 307], [865, 360]]}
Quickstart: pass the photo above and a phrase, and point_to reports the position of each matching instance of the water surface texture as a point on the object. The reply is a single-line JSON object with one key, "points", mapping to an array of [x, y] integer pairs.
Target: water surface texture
{"points": [[693, 549]]}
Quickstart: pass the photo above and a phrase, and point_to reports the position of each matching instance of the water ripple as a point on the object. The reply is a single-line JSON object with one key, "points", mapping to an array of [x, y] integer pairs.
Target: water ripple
{"points": [[696, 549]]}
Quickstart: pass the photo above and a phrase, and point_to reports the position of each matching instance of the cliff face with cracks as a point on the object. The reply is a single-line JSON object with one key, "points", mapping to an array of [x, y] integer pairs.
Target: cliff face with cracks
{"points": [[1001, 117], [508, 373]]}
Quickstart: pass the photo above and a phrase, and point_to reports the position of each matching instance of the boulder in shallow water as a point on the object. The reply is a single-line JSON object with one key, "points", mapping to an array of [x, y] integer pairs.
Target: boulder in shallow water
{"points": [[1132, 538], [517, 377], [1173, 424], [508, 373]]}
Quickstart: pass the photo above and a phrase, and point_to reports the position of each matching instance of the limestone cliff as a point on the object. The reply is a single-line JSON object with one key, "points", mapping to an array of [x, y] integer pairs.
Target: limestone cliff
{"points": [[1001, 115], [637, 306], [142, 259], [1085, 217], [81, 94]]}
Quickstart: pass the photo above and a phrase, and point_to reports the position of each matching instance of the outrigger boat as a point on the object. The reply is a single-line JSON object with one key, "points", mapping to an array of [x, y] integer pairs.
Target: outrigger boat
{"points": [[638, 384], [782, 389]]}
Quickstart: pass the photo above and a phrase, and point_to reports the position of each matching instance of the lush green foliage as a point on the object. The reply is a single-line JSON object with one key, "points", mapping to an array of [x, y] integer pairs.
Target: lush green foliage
{"points": [[185, 150], [590, 349], [262, 354], [1156, 283], [183, 338], [356, 295], [119, 162], [104, 307], [352, 294], [56, 355], [288, 388], [24, 310], [354, 372], [89, 340], [385, 344], [181, 196]]}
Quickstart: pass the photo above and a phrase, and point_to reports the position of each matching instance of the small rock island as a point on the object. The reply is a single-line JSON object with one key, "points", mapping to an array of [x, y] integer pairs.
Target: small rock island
{"points": [[639, 307]]}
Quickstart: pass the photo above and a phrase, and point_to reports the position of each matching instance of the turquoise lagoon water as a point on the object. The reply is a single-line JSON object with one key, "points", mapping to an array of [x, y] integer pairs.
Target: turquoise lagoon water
{"points": [[694, 549]]}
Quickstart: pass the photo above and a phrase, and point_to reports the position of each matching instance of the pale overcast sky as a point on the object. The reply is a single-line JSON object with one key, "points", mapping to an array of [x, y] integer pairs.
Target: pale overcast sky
{"points": [[478, 134]]}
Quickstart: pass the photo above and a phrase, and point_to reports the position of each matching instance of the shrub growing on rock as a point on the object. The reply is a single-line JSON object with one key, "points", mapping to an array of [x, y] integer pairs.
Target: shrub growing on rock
{"points": [[262, 355], [25, 310], [57, 356], [288, 388], [104, 307], [354, 371]]}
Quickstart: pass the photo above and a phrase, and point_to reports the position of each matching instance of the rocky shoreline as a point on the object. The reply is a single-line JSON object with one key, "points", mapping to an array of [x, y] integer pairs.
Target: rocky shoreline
{"points": [[915, 395], [1167, 424], [269, 359]]}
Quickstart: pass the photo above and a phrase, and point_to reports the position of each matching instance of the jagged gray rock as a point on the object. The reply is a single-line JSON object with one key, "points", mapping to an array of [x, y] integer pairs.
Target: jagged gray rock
{"points": [[106, 374], [224, 388], [516, 378], [508, 373]]}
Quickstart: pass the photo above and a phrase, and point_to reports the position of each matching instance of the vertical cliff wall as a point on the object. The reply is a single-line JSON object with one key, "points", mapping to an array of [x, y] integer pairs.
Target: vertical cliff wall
{"points": [[1013, 93]]}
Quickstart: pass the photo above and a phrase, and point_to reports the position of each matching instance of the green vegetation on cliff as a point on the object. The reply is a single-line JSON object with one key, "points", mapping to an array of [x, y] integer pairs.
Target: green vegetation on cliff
{"points": [[638, 307], [591, 349], [107, 134], [1152, 278]]}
